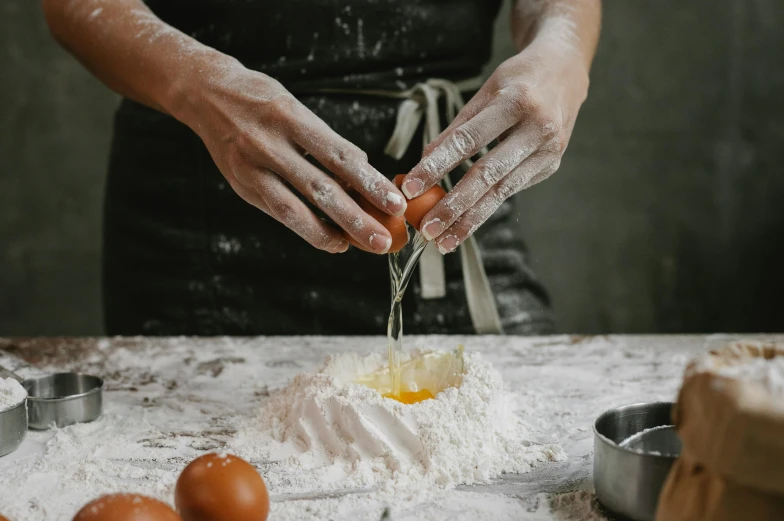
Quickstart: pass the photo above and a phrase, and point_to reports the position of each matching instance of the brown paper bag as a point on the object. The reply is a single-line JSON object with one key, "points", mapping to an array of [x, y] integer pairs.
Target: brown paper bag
{"points": [[692, 493], [732, 465]]}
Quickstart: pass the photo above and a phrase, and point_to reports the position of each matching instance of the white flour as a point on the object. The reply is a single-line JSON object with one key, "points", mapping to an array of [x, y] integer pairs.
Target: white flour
{"points": [[768, 372], [168, 401], [11, 393], [348, 435]]}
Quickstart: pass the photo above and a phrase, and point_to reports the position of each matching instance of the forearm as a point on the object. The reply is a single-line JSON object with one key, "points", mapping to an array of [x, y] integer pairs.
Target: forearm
{"points": [[131, 50], [570, 25]]}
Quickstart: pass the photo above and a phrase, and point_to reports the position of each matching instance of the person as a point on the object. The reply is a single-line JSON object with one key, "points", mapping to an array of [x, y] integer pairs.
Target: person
{"points": [[287, 105]]}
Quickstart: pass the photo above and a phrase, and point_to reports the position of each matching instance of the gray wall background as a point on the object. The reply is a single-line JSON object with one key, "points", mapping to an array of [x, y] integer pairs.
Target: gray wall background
{"points": [[666, 215]]}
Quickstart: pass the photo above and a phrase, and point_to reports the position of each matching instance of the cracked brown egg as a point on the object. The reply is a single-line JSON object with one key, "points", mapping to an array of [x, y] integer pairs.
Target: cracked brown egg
{"points": [[419, 206], [126, 507], [395, 225], [221, 487]]}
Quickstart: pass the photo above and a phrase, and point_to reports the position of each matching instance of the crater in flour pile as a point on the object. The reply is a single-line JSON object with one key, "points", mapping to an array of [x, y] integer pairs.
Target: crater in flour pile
{"points": [[345, 435]]}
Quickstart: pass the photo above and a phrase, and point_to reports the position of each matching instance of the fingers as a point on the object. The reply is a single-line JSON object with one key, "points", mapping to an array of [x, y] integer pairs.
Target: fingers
{"points": [[460, 144], [537, 167], [326, 194], [347, 162], [471, 109], [250, 196], [479, 179], [269, 193]]}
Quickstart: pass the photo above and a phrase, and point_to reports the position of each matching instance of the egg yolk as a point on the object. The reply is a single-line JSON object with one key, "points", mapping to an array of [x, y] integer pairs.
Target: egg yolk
{"points": [[409, 397]]}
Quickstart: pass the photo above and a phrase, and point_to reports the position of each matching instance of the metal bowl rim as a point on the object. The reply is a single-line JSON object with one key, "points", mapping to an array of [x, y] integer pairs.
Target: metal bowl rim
{"points": [[607, 441], [97, 389], [20, 404]]}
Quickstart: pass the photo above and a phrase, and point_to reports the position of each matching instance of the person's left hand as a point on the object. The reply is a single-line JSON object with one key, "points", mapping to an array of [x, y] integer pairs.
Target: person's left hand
{"points": [[529, 104]]}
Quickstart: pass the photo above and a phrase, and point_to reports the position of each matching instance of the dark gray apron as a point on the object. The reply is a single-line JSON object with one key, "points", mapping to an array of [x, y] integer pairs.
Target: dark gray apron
{"points": [[183, 254]]}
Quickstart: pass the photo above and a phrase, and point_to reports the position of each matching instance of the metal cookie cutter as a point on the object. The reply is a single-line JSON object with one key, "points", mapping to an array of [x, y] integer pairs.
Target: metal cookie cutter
{"points": [[61, 399]]}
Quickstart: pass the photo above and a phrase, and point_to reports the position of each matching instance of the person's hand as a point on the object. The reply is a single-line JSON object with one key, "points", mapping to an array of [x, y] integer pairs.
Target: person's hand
{"points": [[529, 104], [258, 135]]}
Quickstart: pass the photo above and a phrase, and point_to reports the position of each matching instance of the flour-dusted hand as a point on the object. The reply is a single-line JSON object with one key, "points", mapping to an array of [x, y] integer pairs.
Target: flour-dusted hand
{"points": [[255, 130], [529, 105], [258, 135]]}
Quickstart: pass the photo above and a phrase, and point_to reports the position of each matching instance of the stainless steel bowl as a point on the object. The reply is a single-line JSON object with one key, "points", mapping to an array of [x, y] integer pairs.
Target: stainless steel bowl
{"points": [[13, 428], [63, 399], [629, 479]]}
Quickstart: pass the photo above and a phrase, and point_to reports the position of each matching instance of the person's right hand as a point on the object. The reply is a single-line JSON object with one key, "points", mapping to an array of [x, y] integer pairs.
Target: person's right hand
{"points": [[258, 135]]}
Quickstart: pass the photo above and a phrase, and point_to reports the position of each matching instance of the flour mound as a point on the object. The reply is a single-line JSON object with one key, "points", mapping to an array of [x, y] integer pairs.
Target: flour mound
{"points": [[11, 393], [351, 436]]}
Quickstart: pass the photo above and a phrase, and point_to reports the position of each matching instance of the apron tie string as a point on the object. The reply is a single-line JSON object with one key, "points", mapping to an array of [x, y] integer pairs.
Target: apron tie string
{"points": [[422, 100]]}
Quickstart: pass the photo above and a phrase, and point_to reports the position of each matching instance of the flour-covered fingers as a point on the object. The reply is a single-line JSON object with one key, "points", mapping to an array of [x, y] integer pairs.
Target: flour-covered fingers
{"points": [[460, 144], [541, 176], [347, 162], [536, 165], [280, 203], [480, 179], [471, 109], [327, 194]]}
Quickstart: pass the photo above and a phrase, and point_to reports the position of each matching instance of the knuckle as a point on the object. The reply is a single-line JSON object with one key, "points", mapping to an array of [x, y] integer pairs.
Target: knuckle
{"points": [[349, 158], [520, 99], [324, 241], [321, 189], [510, 187], [239, 142], [247, 145], [506, 190], [262, 149], [286, 213], [350, 155], [281, 107], [555, 145], [235, 159], [450, 207], [551, 127], [553, 166], [464, 139], [488, 173]]}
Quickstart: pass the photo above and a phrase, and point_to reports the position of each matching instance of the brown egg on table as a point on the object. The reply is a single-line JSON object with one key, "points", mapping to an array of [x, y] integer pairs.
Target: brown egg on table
{"points": [[125, 507], [395, 225], [221, 487], [419, 206], [3, 518]]}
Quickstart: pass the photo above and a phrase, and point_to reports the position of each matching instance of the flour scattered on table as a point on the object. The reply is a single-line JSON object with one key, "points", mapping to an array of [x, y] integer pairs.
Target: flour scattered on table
{"points": [[11, 393], [342, 435], [168, 401]]}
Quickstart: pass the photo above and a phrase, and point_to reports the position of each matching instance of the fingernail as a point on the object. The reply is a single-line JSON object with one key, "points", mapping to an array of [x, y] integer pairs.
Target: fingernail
{"points": [[412, 188], [379, 243], [448, 244], [396, 204], [432, 229], [342, 246]]}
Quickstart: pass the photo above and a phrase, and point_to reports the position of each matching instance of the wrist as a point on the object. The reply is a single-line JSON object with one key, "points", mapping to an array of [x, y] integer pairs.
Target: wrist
{"points": [[192, 84], [566, 30]]}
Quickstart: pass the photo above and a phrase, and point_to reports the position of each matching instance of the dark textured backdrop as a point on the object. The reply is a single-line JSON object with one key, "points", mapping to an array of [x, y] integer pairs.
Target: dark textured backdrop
{"points": [[667, 214]]}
